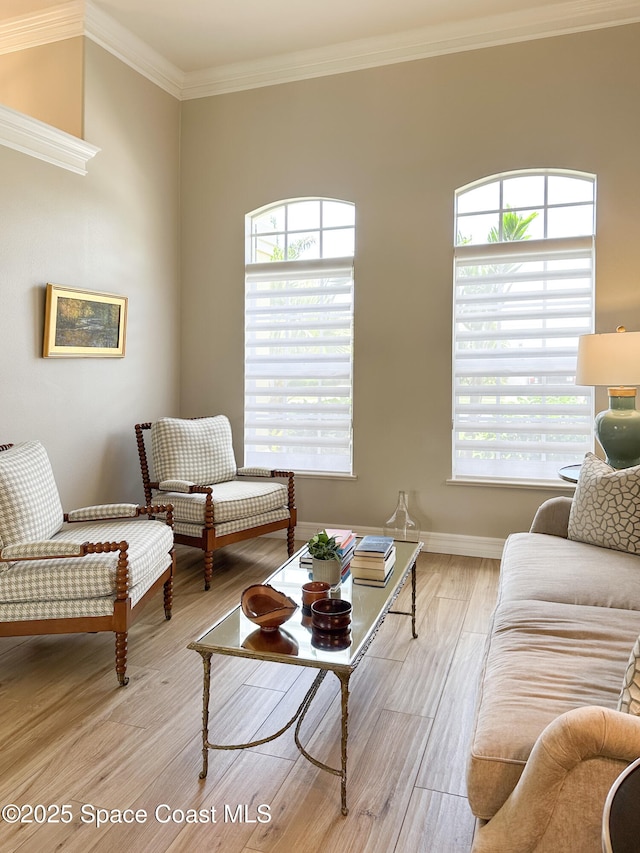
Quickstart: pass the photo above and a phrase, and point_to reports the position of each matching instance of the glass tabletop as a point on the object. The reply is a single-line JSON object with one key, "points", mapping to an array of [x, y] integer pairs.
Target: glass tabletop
{"points": [[570, 473], [234, 634]]}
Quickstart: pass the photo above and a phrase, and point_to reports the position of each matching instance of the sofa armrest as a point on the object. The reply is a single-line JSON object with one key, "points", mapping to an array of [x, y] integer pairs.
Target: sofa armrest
{"points": [[552, 517], [559, 799]]}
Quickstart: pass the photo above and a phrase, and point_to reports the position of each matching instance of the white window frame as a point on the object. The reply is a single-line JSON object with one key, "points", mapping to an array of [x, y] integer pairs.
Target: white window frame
{"points": [[505, 436], [298, 350]]}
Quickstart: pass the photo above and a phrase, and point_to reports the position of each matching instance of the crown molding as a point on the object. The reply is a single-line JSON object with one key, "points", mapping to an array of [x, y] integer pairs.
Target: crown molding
{"points": [[33, 137], [123, 44], [526, 25], [54, 24], [78, 17]]}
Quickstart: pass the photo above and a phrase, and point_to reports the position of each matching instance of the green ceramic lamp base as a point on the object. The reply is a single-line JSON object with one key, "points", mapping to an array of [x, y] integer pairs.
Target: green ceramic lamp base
{"points": [[618, 429]]}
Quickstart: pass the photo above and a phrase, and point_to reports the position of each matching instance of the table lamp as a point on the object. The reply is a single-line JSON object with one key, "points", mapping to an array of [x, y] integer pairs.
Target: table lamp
{"points": [[613, 359]]}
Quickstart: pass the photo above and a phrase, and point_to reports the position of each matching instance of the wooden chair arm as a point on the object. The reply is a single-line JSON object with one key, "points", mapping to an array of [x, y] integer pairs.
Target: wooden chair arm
{"points": [[102, 512], [291, 492], [73, 549], [271, 473], [47, 549], [109, 512], [156, 509]]}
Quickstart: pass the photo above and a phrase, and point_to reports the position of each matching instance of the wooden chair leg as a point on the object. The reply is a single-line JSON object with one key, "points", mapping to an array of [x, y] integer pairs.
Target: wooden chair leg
{"points": [[290, 540], [121, 657], [208, 568], [168, 597]]}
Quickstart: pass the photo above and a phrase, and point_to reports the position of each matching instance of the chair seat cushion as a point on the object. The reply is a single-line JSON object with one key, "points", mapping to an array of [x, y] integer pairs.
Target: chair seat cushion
{"points": [[29, 611], [94, 575], [232, 501], [273, 517]]}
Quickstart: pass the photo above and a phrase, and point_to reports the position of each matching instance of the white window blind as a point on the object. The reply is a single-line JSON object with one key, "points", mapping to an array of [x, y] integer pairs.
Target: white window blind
{"points": [[523, 294], [298, 365], [519, 307]]}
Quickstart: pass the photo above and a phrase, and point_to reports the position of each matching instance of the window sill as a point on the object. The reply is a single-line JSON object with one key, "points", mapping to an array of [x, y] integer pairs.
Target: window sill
{"points": [[546, 485], [37, 139], [313, 475]]}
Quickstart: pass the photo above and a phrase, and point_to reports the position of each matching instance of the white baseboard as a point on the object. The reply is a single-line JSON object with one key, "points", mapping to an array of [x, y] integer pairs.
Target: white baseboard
{"points": [[464, 546], [434, 543]]}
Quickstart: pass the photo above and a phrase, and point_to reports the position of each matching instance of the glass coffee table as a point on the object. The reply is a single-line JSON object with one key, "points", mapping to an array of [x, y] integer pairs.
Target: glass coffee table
{"points": [[235, 635]]}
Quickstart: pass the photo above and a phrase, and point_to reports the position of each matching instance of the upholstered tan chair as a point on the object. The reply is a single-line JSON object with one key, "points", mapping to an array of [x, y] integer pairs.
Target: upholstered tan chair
{"points": [[89, 570], [215, 502]]}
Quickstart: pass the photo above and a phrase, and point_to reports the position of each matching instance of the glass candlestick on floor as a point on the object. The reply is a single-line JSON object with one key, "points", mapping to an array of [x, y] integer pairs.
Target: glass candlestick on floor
{"points": [[401, 526]]}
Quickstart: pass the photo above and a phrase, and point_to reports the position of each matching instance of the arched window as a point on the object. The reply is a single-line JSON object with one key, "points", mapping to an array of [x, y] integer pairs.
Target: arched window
{"points": [[299, 335], [523, 293]]}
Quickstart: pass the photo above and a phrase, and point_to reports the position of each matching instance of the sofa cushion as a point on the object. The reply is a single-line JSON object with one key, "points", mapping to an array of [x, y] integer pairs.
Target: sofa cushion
{"points": [[606, 506], [629, 701], [549, 568], [30, 508], [543, 658], [198, 450]]}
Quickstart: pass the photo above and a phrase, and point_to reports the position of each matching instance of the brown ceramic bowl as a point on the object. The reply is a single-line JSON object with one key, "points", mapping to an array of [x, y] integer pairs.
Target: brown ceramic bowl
{"points": [[314, 591], [331, 614], [277, 642], [267, 607], [331, 640]]}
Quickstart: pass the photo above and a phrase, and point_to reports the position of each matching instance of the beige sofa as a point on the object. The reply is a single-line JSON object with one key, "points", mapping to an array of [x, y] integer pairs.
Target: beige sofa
{"points": [[547, 741]]}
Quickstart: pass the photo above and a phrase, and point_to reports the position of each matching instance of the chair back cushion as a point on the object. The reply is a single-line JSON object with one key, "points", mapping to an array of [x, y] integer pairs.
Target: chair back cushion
{"points": [[30, 508], [199, 450]]}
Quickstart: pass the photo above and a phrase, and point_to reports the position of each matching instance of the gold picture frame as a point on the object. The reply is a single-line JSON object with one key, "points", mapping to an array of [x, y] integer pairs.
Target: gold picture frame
{"points": [[84, 323]]}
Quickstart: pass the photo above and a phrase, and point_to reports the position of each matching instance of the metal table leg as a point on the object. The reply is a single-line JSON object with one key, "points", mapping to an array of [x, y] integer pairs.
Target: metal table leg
{"points": [[413, 601], [206, 660], [344, 701]]}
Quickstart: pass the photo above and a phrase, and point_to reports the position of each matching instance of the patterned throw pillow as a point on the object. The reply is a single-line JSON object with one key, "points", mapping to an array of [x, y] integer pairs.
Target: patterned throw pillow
{"points": [[199, 451], [605, 510], [629, 701]]}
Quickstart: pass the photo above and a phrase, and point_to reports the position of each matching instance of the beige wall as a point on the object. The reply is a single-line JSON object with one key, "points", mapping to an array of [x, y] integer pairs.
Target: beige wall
{"points": [[46, 83], [115, 229], [398, 141]]}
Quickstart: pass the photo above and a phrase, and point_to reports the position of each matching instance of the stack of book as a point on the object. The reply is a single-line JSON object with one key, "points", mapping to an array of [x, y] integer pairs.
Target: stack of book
{"points": [[346, 539], [373, 560]]}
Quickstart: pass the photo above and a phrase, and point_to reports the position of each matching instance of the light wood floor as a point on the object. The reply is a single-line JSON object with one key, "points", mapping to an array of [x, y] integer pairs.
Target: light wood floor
{"points": [[70, 736]]}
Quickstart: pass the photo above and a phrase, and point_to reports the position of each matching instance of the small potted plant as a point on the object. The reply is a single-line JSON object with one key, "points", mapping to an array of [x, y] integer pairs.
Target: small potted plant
{"points": [[326, 562]]}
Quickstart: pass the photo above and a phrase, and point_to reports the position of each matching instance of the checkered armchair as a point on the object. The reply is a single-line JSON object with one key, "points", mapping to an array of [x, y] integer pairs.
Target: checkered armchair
{"points": [[215, 502], [89, 570]]}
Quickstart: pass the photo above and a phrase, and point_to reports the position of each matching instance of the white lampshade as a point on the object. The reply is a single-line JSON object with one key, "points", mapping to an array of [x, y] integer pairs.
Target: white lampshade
{"points": [[609, 359]]}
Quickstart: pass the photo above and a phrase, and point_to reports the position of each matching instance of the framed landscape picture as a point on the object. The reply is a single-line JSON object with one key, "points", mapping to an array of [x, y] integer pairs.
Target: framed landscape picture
{"points": [[83, 323]]}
